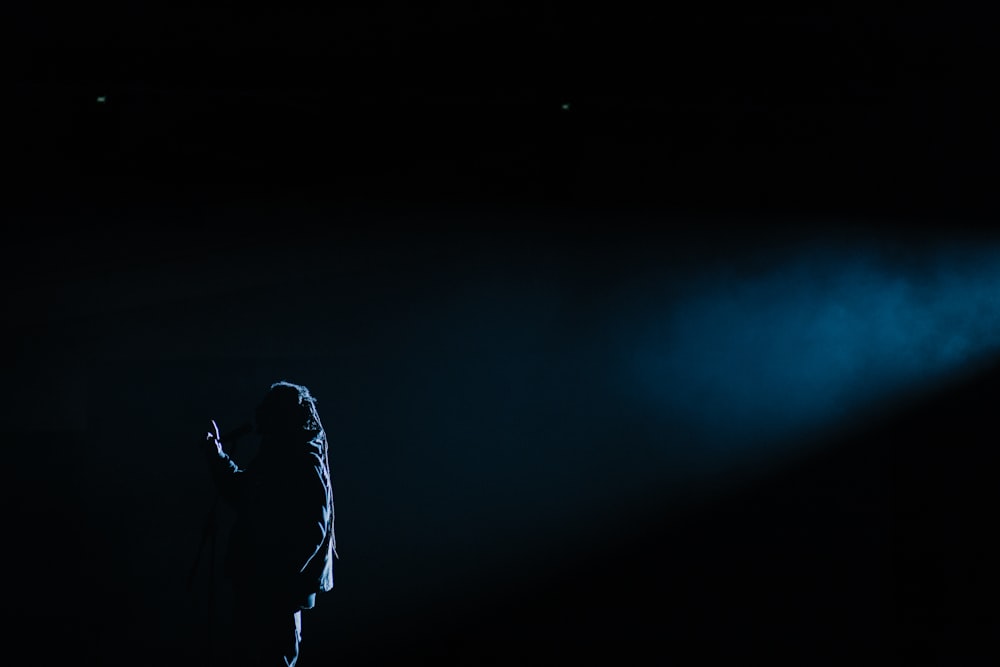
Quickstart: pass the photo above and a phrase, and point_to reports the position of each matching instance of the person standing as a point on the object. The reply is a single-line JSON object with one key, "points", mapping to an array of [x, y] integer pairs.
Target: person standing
{"points": [[282, 545]]}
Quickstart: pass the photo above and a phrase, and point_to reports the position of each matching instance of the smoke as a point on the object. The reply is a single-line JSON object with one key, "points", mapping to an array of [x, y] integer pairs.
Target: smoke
{"points": [[796, 342]]}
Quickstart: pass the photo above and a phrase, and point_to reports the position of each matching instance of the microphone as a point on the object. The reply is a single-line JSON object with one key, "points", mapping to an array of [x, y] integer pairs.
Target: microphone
{"points": [[236, 433]]}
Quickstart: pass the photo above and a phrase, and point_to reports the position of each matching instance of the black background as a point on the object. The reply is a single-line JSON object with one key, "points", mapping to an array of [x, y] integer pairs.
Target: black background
{"points": [[418, 149]]}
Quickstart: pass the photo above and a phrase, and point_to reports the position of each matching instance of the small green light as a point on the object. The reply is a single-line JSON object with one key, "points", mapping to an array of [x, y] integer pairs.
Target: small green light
{"points": [[565, 107], [101, 99]]}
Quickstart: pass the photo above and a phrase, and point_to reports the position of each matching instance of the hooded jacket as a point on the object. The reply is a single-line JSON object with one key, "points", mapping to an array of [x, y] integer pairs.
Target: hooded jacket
{"points": [[282, 545]]}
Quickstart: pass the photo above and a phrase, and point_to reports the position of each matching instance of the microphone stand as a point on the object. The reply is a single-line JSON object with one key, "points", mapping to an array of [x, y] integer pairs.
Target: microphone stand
{"points": [[208, 537], [208, 534]]}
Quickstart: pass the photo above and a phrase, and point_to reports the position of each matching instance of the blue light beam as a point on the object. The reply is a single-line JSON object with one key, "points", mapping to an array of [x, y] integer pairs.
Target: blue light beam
{"points": [[796, 345]]}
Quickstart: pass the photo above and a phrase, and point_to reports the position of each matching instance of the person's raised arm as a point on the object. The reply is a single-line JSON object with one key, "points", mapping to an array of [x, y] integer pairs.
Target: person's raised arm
{"points": [[228, 476]]}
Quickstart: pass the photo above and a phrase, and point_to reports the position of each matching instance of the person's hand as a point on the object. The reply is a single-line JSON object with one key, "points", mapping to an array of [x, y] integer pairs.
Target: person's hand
{"points": [[212, 436]]}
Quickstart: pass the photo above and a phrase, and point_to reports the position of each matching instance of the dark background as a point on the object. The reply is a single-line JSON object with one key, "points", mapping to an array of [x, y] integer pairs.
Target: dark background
{"points": [[397, 208]]}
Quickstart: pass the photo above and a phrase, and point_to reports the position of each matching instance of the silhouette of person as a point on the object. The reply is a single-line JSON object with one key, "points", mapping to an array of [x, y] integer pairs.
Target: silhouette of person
{"points": [[282, 544]]}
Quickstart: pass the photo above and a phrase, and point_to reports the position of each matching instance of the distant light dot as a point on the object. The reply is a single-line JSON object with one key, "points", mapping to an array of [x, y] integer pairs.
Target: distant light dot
{"points": [[565, 107], [101, 99]]}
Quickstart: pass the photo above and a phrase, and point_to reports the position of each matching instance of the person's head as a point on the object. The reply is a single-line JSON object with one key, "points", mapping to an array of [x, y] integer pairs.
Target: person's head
{"points": [[287, 409]]}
